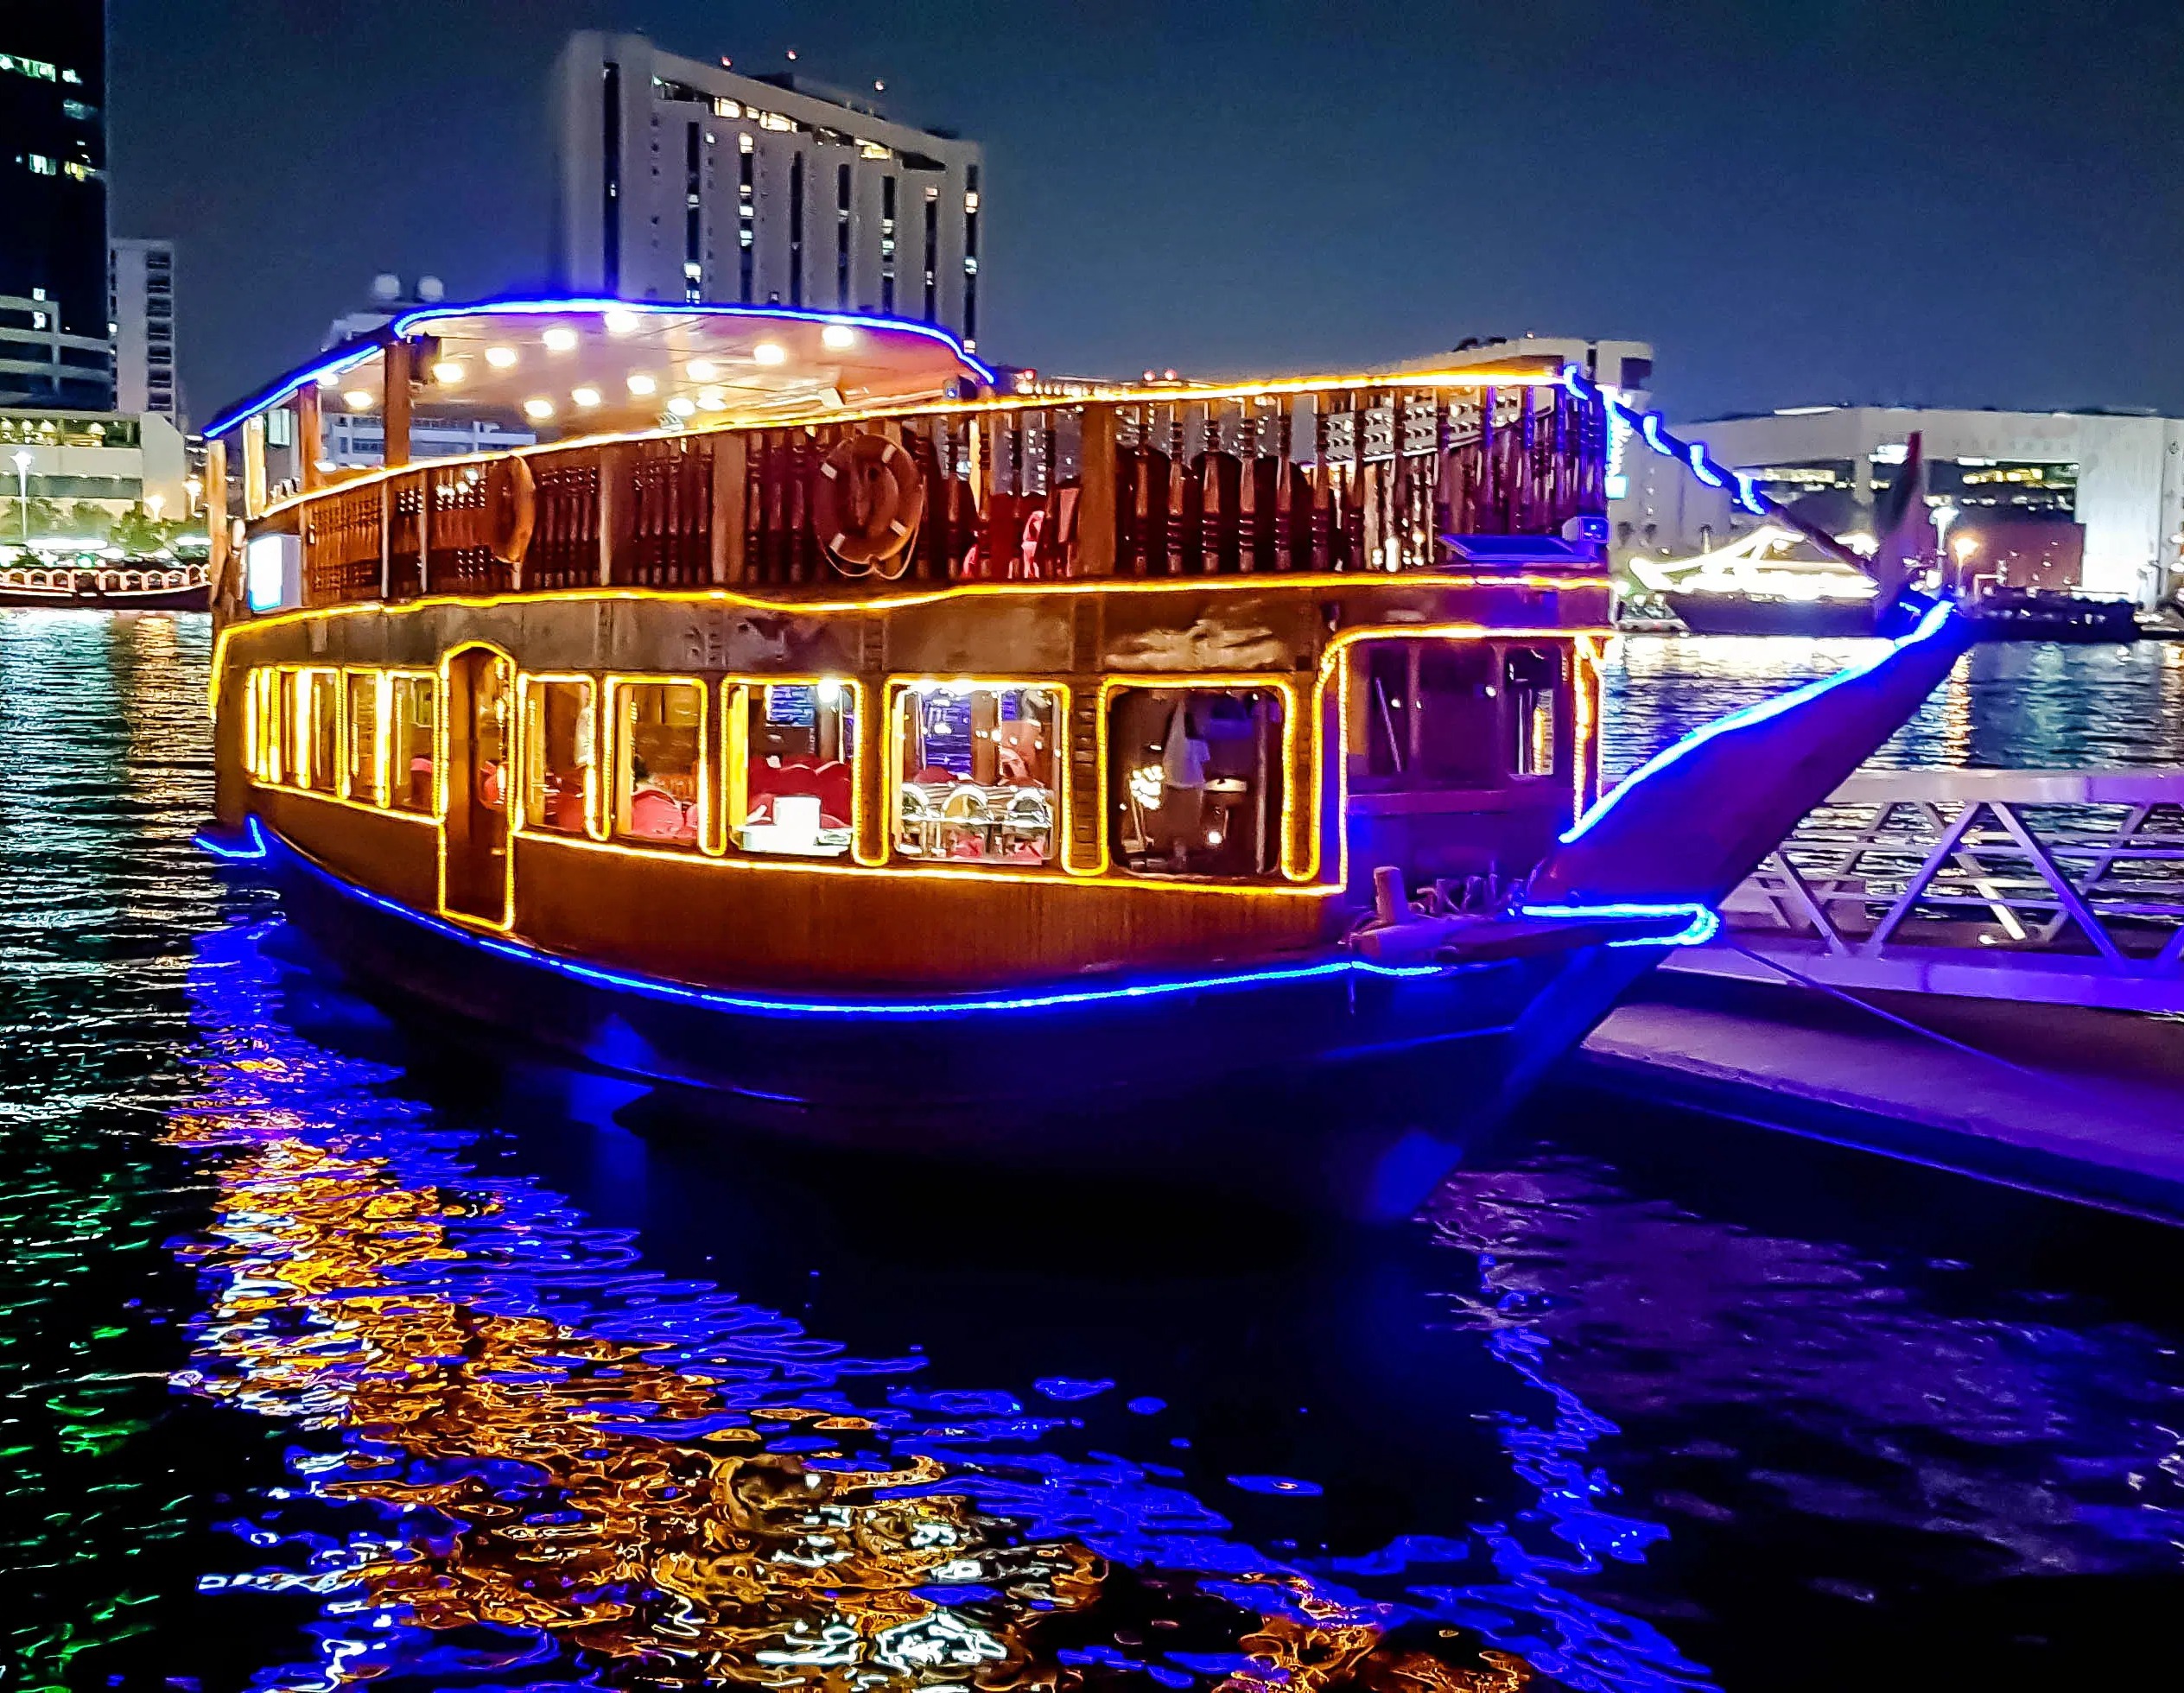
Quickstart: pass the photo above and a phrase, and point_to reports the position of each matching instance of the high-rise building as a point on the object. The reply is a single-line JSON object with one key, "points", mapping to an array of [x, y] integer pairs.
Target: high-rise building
{"points": [[141, 282], [55, 344], [684, 181]]}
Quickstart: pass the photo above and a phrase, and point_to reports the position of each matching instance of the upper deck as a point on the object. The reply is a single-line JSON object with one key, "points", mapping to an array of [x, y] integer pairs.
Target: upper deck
{"points": [[799, 454]]}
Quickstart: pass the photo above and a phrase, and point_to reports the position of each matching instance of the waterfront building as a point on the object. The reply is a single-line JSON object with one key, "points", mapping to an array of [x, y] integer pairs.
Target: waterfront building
{"points": [[2085, 499], [54, 346], [681, 181], [141, 284], [110, 462]]}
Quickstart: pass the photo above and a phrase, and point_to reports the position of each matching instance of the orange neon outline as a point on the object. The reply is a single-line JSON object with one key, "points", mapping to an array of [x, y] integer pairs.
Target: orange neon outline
{"points": [[443, 774], [897, 688], [611, 797], [520, 821], [733, 685], [1283, 682]]}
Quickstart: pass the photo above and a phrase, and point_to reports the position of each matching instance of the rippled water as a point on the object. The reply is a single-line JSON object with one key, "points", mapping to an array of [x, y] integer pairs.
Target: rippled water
{"points": [[2031, 706], [333, 1355]]}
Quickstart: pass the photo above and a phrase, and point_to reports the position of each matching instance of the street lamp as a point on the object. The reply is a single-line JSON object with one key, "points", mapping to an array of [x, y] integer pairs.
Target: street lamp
{"points": [[1943, 516], [23, 493], [194, 486]]}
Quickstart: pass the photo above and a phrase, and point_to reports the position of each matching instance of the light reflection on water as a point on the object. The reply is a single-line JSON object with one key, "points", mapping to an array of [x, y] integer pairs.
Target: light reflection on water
{"points": [[2004, 706], [325, 1362]]}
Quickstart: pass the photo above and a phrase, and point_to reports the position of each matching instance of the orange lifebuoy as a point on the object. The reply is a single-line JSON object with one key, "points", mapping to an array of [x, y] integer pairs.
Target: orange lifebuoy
{"points": [[511, 506], [867, 500]]}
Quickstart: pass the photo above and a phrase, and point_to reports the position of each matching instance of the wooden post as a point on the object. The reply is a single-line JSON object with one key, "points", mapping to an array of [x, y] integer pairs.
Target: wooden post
{"points": [[226, 594], [424, 531], [731, 490], [1095, 527], [869, 771], [395, 408], [613, 500], [386, 538], [254, 467], [307, 437]]}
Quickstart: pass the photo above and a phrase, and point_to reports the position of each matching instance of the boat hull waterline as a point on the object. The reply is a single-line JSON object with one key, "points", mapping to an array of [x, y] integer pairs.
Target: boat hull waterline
{"points": [[1326, 1083]]}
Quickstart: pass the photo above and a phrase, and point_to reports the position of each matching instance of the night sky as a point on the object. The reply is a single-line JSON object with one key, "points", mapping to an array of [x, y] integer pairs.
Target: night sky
{"points": [[1967, 204]]}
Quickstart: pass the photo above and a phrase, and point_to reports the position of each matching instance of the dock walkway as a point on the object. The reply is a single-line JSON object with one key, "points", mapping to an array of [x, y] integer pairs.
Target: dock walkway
{"points": [[2087, 1105]]}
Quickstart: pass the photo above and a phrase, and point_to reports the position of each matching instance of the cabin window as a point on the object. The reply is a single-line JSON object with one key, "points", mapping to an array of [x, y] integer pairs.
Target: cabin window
{"points": [[791, 767], [360, 779], [1530, 691], [268, 724], [319, 724], [659, 750], [1430, 710], [1197, 779], [977, 764], [560, 769], [412, 713]]}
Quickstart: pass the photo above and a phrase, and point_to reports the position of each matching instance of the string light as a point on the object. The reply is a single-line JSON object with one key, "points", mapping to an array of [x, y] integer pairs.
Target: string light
{"points": [[501, 358], [560, 338]]}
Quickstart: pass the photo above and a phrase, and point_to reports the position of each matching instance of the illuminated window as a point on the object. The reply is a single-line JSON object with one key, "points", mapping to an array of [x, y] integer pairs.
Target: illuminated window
{"points": [[361, 778], [977, 765], [318, 713], [270, 735], [790, 766], [1196, 780], [1424, 713], [1531, 685], [41, 165], [412, 713], [659, 753], [560, 769]]}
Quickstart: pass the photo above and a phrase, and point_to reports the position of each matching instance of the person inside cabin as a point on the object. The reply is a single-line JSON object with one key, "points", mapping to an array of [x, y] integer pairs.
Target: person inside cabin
{"points": [[558, 747], [978, 764], [1197, 777]]}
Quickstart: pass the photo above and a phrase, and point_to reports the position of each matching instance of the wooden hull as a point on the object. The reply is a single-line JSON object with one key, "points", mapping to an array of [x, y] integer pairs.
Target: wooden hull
{"points": [[150, 599], [1321, 1082]]}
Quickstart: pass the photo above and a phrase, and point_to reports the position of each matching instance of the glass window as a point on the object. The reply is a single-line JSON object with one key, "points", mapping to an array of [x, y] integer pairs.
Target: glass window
{"points": [[1429, 715], [1530, 685], [978, 773], [412, 708], [791, 767], [318, 719], [269, 718], [363, 775], [559, 768], [1197, 779], [658, 752]]}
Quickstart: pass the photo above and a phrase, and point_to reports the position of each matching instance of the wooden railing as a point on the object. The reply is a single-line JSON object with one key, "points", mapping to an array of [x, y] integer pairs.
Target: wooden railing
{"points": [[1357, 479]]}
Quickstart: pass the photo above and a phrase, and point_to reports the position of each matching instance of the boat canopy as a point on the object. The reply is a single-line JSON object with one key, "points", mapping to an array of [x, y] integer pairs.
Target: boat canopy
{"points": [[584, 367]]}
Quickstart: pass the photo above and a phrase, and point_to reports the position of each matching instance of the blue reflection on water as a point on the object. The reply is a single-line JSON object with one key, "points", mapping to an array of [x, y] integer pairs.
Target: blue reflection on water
{"points": [[468, 1348]]}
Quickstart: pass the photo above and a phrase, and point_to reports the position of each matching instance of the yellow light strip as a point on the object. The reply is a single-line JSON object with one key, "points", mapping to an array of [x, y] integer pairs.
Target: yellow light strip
{"points": [[1320, 581]]}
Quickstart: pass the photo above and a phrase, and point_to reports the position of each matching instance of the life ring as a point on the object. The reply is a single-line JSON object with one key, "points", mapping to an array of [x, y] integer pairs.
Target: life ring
{"points": [[511, 509], [867, 499]]}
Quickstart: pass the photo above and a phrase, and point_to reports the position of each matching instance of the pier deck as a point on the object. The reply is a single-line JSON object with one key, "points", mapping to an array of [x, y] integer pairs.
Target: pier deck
{"points": [[2084, 1104]]}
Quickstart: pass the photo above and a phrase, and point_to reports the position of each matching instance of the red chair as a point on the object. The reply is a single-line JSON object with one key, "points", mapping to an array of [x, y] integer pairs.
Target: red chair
{"points": [[658, 816]]}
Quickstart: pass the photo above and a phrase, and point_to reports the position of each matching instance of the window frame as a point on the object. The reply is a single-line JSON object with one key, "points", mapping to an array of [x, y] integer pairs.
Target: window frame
{"points": [[595, 820], [306, 728], [611, 799], [350, 674], [1057, 859], [731, 688], [435, 809], [1293, 846]]}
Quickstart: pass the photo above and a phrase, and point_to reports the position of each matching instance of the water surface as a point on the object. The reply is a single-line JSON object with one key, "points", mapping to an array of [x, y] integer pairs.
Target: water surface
{"points": [[334, 1354]]}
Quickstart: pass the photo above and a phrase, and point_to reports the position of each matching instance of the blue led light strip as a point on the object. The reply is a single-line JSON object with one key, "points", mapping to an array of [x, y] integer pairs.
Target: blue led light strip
{"points": [[1930, 625], [348, 357], [220, 849], [1650, 426], [1701, 923]]}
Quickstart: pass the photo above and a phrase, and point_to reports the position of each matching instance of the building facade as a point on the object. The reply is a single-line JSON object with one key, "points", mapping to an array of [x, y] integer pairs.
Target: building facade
{"points": [[2026, 498], [55, 347], [684, 181], [108, 462], [141, 283]]}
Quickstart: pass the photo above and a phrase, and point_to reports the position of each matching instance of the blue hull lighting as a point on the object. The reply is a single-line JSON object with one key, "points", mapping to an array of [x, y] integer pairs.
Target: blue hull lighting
{"points": [[254, 847], [1701, 924]]}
